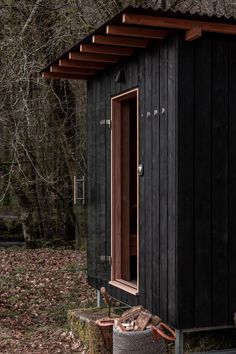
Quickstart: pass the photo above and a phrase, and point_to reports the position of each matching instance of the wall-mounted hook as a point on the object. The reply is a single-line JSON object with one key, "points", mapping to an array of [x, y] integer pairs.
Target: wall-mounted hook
{"points": [[155, 113], [163, 110]]}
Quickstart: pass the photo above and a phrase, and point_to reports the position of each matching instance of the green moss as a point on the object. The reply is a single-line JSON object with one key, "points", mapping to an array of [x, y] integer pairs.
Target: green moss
{"points": [[59, 313], [83, 327]]}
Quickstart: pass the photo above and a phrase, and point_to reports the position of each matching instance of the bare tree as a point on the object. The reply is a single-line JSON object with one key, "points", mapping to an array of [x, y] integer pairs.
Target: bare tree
{"points": [[39, 120]]}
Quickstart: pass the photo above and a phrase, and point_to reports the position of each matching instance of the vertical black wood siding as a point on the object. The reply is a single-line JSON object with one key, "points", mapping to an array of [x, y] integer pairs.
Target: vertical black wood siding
{"points": [[206, 181], [232, 177], [188, 192], [146, 70]]}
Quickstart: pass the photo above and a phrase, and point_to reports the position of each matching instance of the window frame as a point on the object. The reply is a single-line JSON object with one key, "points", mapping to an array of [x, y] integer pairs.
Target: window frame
{"points": [[116, 248]]}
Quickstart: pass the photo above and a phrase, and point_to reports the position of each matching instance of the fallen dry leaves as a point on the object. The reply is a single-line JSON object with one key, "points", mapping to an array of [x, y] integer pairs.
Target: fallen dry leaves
{"points": [[37, 287]]}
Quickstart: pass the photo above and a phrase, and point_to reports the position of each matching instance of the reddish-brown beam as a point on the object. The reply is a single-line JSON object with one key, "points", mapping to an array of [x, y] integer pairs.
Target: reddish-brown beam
{"points": [[102, 58], [176, 23], [193, 34], [106, 49], [81, 64], [121, 41], [139, 32], [49, 75], [66, 70]]}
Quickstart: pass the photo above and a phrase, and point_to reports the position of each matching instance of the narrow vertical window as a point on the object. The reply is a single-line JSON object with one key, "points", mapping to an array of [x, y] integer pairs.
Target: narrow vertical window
{"points": [[125, 191]]}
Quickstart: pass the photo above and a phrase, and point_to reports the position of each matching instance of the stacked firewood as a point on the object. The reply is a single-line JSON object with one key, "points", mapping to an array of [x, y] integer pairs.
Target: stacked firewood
{"points": [[134, 319]]}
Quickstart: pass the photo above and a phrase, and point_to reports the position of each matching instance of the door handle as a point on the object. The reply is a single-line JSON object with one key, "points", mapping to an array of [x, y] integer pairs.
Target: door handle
{"points": [[79, 190], [140, 170]]}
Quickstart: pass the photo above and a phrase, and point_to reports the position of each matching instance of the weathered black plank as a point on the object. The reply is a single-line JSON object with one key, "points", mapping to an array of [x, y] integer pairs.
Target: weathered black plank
{"points": [[92, 149], [146, 143], [127, 67], [96, 177], [107, 116], [93, 200], [114, 88], [163, 181], [185, 184], [134, 71], [202, 191], [102, 129], [142, 184], [232, 179], [128, 75], [134, 83], [89, 180], [155, 180], [98, 134], [172, 117], [220, 180]]}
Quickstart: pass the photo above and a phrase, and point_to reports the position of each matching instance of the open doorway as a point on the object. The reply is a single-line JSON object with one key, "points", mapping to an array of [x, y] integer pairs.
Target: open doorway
{"points": [[125, 191]]}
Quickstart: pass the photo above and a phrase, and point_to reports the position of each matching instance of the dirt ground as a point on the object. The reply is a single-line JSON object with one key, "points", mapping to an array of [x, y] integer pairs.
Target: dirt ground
{"points": [[37, 287]]}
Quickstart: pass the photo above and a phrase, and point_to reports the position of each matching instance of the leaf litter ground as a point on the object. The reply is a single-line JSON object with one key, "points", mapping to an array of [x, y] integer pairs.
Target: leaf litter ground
{"points": [[37, 288]]}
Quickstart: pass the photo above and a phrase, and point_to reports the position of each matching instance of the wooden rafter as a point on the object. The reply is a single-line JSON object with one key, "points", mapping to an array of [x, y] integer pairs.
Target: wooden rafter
{"points": [[139, 32], [136, 31], [193, 33], [176, 23], [71, 70], [121, 41], [103, 58], [49, 75], [106, 49], [81, 64]]}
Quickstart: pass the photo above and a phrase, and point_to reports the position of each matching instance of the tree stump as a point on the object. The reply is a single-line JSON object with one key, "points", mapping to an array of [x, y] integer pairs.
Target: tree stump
{"points": [[83, 325]]}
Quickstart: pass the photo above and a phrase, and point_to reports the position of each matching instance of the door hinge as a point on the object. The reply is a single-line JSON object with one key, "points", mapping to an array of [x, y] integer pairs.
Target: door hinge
{"points": [[109, 259], [105, 259], [106, 122]]}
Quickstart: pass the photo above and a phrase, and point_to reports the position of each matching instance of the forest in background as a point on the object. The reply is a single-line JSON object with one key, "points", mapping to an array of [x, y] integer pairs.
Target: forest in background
{"points": [[42, 128], [42, 122]]}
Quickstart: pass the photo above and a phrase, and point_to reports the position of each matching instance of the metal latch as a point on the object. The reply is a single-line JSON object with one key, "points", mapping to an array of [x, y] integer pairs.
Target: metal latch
{"points": [[106, 121]]}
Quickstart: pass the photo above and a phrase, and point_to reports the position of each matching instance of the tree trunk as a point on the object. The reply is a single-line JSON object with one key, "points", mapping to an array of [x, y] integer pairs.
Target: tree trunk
{"points": [[28, 228], [84, 327]]}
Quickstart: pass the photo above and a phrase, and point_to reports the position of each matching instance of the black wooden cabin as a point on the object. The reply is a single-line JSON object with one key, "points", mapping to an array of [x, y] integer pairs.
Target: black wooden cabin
{"points": [[161, 154]]}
